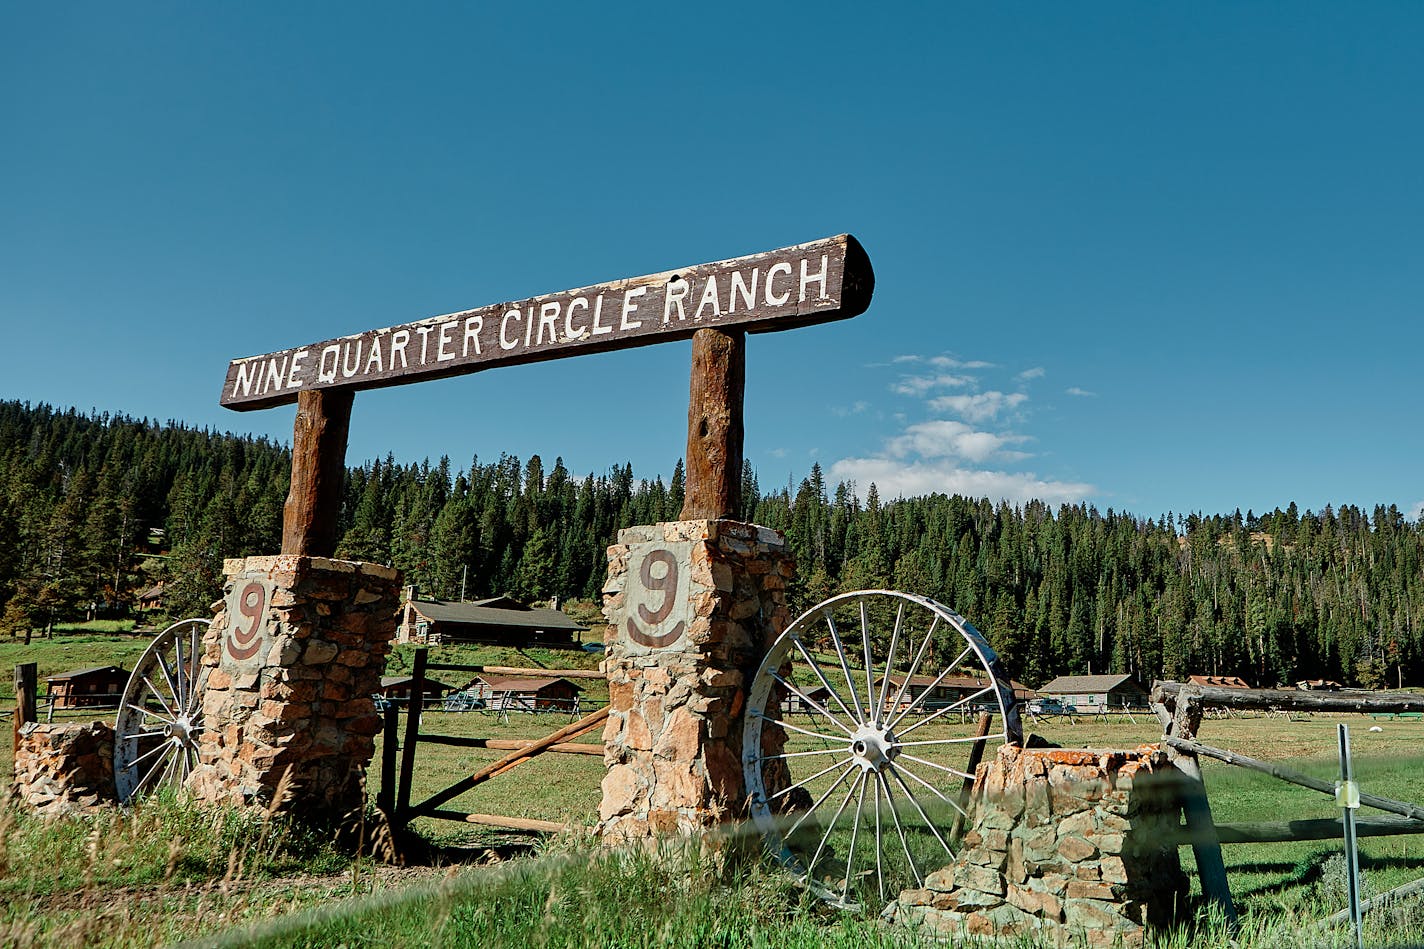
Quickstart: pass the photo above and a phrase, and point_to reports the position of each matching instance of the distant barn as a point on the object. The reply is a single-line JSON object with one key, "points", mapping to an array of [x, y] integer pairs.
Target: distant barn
{"points": [[88, 688], [500, 621]]}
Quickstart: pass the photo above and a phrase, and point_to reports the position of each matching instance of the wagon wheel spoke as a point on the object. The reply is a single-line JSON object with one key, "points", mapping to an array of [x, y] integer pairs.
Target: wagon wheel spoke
{"points": [[843, 784], [160, 713]]}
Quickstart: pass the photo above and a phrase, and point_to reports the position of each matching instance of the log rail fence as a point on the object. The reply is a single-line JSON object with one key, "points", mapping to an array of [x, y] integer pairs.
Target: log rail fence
{"points": [[1180, 708]]}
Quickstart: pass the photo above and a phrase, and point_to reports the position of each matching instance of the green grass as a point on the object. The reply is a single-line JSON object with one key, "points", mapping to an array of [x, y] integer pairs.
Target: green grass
{"points": [[168, 872]]}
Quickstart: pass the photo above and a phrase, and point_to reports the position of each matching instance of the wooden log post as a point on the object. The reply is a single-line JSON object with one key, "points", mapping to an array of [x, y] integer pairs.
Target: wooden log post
{"points": [[714, 425], [26, 685], [1196, 809], [312, 513]]}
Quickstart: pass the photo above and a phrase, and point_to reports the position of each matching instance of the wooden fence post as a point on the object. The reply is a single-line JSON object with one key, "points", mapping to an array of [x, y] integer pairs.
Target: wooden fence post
{"points": [[412, 735], [311, 515], [1196, 809], [26, 679], [386, 799], [714, 425]]}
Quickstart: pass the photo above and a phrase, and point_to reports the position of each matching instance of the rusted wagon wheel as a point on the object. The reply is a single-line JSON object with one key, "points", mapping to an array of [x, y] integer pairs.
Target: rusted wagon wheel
{"points": [[859, 730], [161, 713]]}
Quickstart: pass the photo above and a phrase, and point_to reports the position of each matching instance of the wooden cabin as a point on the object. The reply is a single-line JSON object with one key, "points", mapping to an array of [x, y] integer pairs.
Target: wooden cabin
{"points": [[98, 687], [498, 621], [525, 693], [1096, 693]]}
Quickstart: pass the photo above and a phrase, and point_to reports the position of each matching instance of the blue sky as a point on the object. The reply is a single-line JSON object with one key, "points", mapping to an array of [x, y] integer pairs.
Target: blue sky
{"points": [[1152, 257]]}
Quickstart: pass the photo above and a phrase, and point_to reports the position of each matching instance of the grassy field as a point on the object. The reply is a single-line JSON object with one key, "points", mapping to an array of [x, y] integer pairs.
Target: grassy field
{"points": [[166, 872]]}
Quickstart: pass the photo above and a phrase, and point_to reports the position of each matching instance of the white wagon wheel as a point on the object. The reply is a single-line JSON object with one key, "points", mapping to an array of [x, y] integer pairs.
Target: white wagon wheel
{"points": [[161, 713], [858, 736]]}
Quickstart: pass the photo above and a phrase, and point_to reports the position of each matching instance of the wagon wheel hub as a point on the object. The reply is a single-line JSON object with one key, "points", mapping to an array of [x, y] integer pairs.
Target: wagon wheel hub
{"points": [[872, 748]]}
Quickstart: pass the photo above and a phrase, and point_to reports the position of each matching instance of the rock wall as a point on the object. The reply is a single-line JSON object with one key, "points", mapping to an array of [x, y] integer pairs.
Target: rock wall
{"points": [[692, 607], [60, 769], [1067, 843], [293, 657]]}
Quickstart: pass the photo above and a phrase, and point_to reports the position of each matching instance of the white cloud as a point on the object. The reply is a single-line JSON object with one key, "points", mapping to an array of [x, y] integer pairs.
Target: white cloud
{"points": [[919, 385], [944, 438], [950, 362], [1416, 510], [856, 408], [1074, 390], [777, 452], [1037, 372], [894, 478], [980, 406]]}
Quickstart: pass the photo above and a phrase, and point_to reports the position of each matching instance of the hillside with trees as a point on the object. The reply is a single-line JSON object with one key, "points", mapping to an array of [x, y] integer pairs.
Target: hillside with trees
{"points": [[95, 509]]}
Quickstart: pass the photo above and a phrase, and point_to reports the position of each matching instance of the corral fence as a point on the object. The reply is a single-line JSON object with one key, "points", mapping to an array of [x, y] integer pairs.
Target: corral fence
{"points": [[399, 755], [1181, 709]]}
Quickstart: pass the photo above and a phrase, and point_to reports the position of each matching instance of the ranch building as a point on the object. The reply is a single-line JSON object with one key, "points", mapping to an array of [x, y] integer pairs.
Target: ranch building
{"points": [[1220, 682], [500, 620], [951, 689], [525, 693], [1096, 693], [398, 688], [88, 688]]}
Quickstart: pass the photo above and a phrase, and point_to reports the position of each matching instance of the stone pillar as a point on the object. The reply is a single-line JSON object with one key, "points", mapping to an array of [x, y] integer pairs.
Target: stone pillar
{"points": [[61, 769], [1074, 845], [692, 607], [293, 657]]}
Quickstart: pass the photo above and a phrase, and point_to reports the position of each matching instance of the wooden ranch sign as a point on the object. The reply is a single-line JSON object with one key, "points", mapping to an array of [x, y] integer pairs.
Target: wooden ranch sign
{"points": [[817, 282]]}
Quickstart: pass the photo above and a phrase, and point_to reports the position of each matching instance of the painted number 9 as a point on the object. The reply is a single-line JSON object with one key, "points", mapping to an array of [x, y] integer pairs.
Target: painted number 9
{"points": [[666, 584], [243, 644]]}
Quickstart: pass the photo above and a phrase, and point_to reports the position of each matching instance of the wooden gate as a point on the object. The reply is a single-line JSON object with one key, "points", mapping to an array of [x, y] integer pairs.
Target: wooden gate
{"points": [[394, 797]]}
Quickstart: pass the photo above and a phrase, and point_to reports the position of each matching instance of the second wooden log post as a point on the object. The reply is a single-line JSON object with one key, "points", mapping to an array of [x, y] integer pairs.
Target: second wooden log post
{"points": [[312, 514], [714, 425]]}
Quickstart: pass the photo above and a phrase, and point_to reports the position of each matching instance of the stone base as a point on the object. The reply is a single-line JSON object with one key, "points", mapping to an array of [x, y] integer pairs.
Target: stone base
{"points": [[1065, 843], [64, 769], [692, 607], [294, 655]]}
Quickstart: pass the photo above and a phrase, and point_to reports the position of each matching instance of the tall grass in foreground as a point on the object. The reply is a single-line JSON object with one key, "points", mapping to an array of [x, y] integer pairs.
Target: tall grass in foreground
{"points": [[158, 872], [577, 895]]}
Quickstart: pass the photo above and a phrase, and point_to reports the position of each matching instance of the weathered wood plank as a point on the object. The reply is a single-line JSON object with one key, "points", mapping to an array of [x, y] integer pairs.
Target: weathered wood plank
{"points": [[1315, 828], [509, 761], [817, 282], [312, 514], [1293, 700], [519, 671], [1292, 777], [26, 686], [498, 820], [714, 425], [509, 744]]}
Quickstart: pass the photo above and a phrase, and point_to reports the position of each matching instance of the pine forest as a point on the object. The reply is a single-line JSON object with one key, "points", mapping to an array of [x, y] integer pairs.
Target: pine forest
{"points": [[96, 509]]}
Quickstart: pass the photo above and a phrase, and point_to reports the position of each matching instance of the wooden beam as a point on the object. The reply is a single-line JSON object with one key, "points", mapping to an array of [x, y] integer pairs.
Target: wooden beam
{"points": [[520, 671], [1212, 696], [714, 425], [816, 282], [1292, 777], [510, 744], [509, 761], [509, 823], [26, 686], [1315, 828], [313, 510], [1196, 810]]}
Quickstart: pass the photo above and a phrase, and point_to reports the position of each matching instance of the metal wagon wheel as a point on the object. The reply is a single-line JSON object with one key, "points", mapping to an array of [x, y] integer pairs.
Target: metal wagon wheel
{"points": [[858, 736], [161, 713]]}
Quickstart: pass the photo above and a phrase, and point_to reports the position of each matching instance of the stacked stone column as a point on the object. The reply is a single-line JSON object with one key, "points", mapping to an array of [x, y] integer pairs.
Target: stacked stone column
{"points": [[61, 769], [293, 658], [692, 607], [1076, 845]]}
